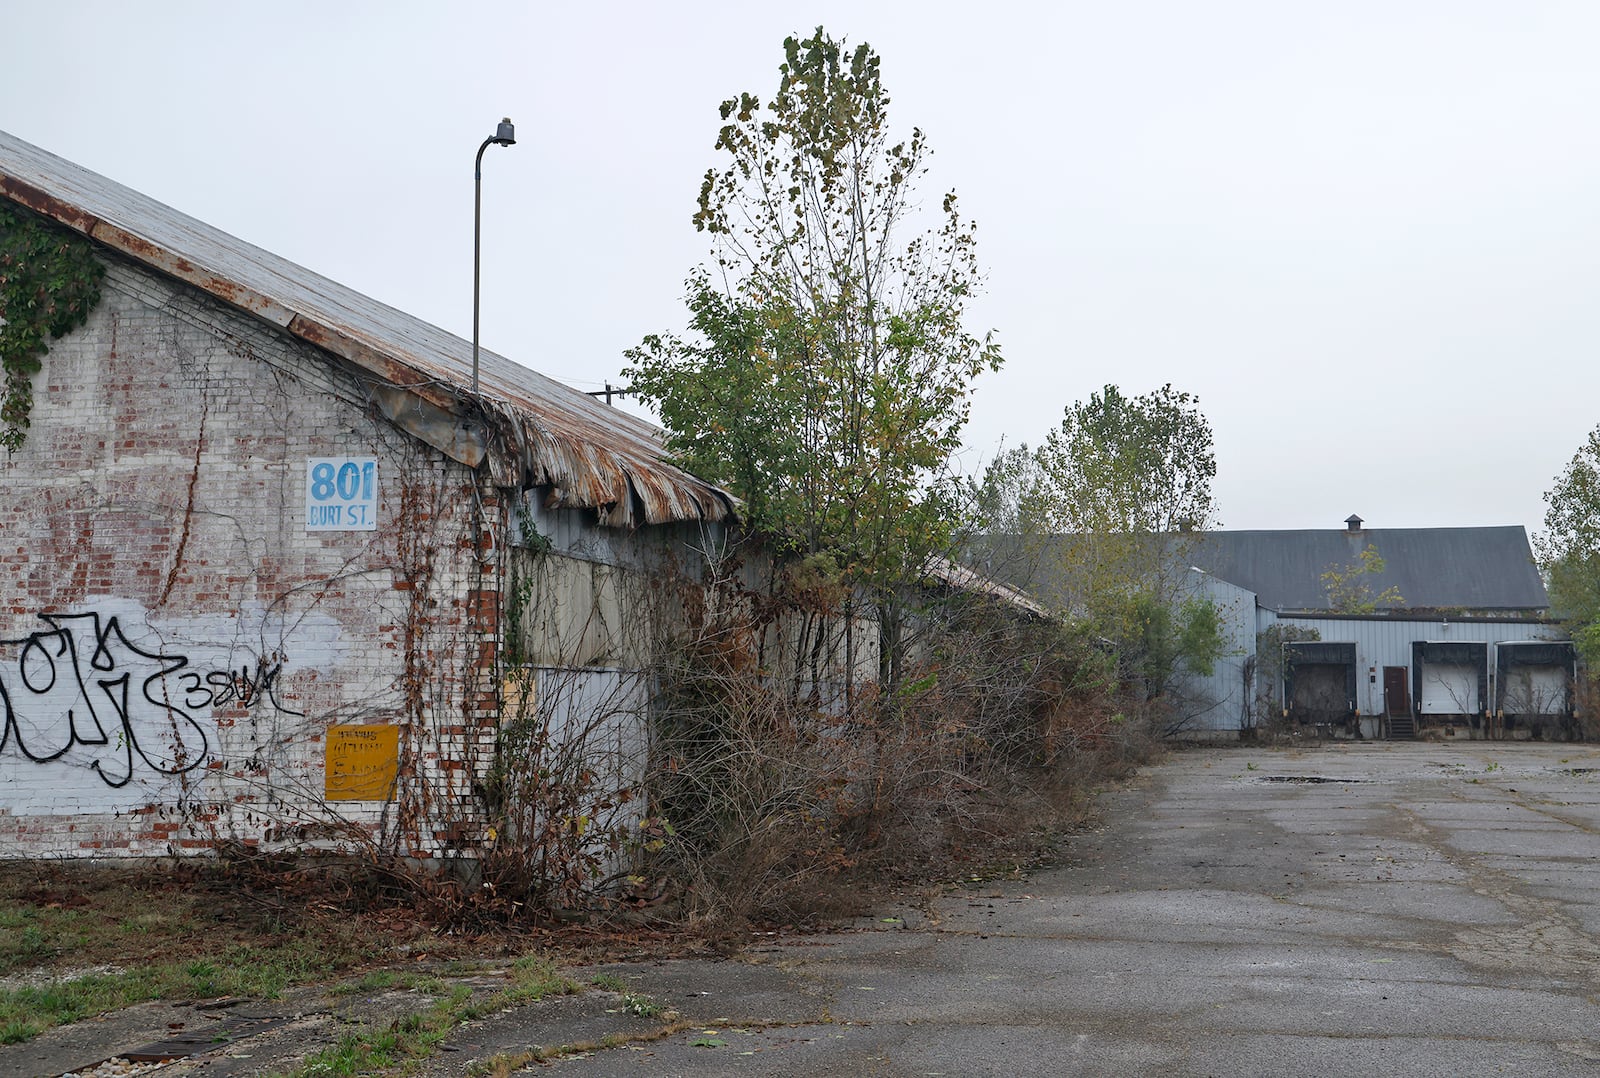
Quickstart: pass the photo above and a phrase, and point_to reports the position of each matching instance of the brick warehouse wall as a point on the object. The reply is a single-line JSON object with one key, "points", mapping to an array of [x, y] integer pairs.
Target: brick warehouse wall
{"points": [[175, 645]]}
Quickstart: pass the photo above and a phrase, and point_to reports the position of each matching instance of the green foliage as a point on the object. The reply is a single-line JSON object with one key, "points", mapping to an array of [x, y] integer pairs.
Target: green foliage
{"points": [[244, 971], [169, 933], [1163, 637], [826, 374], [1095, 522], [1349, 587], [1199, 638], [49, 284], [407, 1041], [528, 535], [1264, 677], [1126, 465], [642, 1006], [1569, 548], [1110, 493]]}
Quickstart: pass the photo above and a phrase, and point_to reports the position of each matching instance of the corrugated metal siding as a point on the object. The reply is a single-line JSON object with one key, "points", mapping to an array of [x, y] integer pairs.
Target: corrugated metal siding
{"points": [[541, 432], [1220, 701], [1384, 642]]}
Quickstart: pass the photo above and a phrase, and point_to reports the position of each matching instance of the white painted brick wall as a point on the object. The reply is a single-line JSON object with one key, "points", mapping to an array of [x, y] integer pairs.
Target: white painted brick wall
{"points": [[161, 493]]}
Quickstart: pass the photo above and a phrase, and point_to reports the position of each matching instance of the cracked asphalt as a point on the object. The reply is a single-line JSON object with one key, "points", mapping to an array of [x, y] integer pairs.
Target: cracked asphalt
{"points": [[1397, 908]]}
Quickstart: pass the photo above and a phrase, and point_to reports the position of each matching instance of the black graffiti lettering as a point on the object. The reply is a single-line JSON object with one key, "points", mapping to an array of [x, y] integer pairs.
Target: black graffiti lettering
{"points": [[81, 682], [116, 691], [195, 694], [267, 687], [46, 683], [222, 688], [249, 686]]}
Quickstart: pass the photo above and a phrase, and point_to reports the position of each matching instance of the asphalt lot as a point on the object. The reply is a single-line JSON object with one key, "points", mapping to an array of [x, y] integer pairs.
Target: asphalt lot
{"points": [[1379, 908]]}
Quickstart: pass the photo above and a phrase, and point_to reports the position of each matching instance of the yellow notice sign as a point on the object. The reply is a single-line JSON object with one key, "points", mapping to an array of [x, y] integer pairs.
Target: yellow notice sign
{"points": [[362, 762]]}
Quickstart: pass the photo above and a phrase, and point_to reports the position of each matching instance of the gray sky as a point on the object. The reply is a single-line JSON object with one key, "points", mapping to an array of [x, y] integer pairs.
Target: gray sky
{"points": [[1366, 234]]}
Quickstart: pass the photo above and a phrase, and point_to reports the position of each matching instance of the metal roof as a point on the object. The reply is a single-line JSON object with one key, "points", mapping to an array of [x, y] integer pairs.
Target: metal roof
{"points": [[1486, 569], [963, 578], [534, 431], [1475, 569]]}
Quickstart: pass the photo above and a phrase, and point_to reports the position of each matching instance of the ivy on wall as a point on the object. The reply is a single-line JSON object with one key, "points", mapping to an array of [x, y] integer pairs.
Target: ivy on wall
{"points": [[49, 283]]}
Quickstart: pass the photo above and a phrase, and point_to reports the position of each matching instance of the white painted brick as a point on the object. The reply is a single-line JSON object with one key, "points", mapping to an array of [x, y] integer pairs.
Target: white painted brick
{"points": [[161, 486]]}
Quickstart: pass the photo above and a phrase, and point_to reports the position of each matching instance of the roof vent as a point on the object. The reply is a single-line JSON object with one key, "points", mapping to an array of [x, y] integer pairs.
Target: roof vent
{"points": [[1352, 523]]}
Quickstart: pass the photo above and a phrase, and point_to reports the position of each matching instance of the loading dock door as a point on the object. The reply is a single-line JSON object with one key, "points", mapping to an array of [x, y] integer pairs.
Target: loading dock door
{"points": [[1450, 677], [1534, 677], [1449, 689], [1319, 680], [1320, 693], [1534, 690], [1396, 691]]}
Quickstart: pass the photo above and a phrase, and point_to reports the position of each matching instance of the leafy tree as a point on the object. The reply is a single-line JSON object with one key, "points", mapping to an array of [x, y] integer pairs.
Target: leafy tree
{"points": [[1101, 511], [1349, 587], [1569, 549], [1168, 635], [825, 377], [1098, 521], [1131, 465]]}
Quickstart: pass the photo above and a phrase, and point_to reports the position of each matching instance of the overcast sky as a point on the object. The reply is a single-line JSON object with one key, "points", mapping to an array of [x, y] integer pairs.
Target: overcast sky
{"points": [[1366, 234]]}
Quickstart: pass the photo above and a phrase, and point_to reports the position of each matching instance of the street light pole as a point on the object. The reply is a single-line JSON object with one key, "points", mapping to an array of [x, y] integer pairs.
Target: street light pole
{"points": [[504, 135]]}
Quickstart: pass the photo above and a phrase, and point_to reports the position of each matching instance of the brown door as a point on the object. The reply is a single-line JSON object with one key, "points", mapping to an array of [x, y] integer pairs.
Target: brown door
{"points": [[1397, 690]]}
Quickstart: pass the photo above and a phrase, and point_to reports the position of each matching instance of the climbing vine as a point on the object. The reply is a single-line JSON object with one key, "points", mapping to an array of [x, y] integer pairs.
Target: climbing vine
{"points": [[49, 283]]}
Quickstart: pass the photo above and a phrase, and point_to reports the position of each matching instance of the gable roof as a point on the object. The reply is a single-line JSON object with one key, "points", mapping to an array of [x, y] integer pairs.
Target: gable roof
{"points": [[1433, 568], [531, 430]]}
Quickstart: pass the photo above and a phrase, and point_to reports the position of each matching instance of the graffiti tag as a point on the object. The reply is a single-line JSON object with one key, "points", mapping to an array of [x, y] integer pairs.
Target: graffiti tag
{"points": [[83, 684], [246, 687]]}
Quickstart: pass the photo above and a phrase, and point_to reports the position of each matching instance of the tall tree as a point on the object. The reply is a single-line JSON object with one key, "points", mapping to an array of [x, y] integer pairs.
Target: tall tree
{"points": [[1100, 515], [827, 370], [1569, 548], [1129, 464]]}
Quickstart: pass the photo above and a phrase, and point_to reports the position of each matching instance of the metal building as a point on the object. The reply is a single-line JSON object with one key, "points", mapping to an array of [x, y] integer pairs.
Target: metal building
{"points": [[1452, 633]]}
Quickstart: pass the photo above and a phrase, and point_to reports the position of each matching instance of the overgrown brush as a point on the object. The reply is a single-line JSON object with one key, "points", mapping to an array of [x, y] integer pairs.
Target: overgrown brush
{"points": [[735, 781], [780, 808]]}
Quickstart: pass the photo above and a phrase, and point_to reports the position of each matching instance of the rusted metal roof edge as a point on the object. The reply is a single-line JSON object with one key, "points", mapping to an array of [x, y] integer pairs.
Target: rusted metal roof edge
{"points": [[625, 491]]}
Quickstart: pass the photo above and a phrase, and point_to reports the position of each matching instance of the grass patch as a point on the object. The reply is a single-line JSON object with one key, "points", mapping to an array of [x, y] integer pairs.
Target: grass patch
{"points": [[532, 979], [256, 972], [409, 1040], [76, 941], [378, 980], [18, 1030]]}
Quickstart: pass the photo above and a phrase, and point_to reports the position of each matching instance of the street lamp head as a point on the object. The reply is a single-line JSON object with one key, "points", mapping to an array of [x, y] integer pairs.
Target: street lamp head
{"points": [[505, 134]]}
